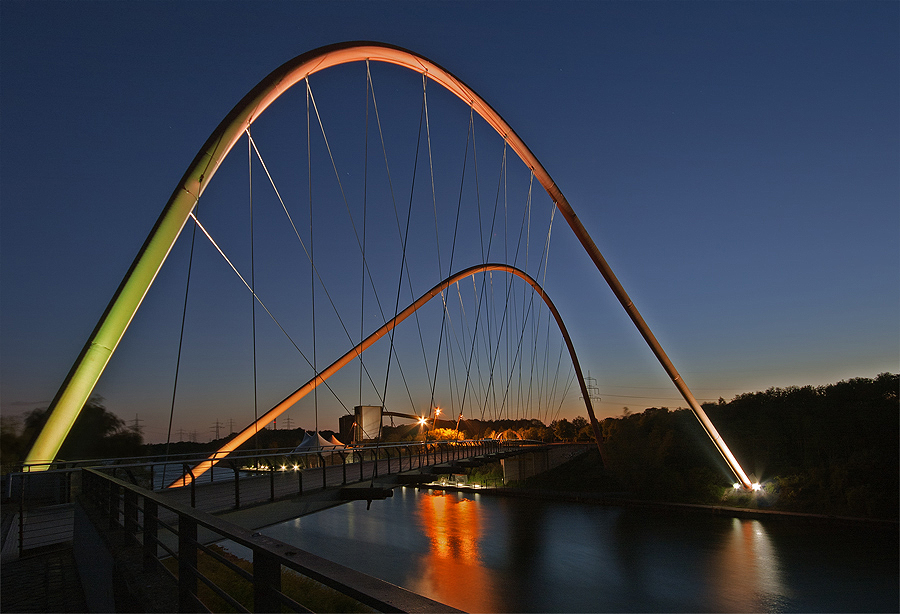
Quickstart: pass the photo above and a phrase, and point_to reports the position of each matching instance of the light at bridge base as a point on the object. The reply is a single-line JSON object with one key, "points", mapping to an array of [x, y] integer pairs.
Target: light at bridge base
{"points": [[755, 486]]}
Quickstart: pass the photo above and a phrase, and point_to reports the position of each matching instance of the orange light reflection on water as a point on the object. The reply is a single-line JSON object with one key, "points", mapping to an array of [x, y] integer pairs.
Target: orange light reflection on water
{"points": [[453, 570]]}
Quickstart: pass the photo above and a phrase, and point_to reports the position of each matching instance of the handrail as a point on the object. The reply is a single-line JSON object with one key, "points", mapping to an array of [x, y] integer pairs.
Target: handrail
{"points": [[42, 493], [269, 555], [68, 466]]}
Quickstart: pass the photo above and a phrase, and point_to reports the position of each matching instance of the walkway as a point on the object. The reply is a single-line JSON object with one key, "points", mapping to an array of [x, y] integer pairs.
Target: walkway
{"points": [[219, 496], [45, 582]]}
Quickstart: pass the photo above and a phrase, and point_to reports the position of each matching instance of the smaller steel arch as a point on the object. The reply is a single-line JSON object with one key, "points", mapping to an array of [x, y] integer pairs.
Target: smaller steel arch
{"points": [[356, 351]]}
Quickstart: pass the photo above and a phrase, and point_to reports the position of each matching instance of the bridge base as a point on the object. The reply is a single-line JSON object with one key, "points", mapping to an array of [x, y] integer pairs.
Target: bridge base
{"points": [[362, 493]]}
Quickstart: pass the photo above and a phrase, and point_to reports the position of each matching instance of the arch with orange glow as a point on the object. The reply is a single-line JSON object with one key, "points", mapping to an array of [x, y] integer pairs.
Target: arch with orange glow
{"points": [[96, 353], [357, 351]]}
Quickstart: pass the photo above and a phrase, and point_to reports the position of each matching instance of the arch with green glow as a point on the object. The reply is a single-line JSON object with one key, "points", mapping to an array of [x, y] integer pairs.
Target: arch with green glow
{"points": [[95, 355]]}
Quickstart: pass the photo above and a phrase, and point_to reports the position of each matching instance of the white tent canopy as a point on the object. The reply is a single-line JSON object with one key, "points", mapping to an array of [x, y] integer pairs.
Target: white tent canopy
{"points": [[315, 442]]}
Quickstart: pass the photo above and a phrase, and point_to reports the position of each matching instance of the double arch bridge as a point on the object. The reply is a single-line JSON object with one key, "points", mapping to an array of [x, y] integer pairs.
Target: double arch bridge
{"points": [[183, 208]]}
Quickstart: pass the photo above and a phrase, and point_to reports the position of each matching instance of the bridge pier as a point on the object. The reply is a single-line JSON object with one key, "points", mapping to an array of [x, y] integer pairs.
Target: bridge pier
{"points": [[528, 464]]}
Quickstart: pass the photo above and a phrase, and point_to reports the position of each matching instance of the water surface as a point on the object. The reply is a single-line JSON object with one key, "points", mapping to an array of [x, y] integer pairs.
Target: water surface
{"points": [[482, 553]]}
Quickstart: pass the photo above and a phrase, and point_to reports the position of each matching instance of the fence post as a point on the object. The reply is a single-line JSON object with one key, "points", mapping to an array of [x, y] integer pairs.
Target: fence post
{"points": [[343, 466], [151, 512], [131, 511], [21, 514], [187, 564], [266, 582], [300, 481], [361, 460], [113, 505], [322, 460], [271, 481], [237, 486], [188, 470]]}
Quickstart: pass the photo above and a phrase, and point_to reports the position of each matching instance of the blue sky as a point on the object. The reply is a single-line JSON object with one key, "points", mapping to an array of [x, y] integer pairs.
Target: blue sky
{"points": [[736, 163]]}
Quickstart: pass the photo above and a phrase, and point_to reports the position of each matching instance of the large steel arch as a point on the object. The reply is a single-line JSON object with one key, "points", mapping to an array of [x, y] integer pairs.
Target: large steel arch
{"points": [[366, 343], [84, 374]]}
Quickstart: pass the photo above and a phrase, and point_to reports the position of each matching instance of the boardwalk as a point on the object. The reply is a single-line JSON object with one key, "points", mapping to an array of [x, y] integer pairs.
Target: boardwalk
{"points": [[286, 491], [45, 582], [283, 481]]}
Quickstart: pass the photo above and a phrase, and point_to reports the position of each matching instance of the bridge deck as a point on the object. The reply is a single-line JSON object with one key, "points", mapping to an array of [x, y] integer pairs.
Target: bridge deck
{"points": [[267, 486], [270, 497]]}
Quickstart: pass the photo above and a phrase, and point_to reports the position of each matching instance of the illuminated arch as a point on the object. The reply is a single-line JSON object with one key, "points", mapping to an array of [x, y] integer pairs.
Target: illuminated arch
{"points": [[508, 434], [96, 353], [388, 326]]}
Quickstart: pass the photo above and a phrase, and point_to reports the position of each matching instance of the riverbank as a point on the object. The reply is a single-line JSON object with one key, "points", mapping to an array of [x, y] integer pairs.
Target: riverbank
{"points": [[616, 500]]}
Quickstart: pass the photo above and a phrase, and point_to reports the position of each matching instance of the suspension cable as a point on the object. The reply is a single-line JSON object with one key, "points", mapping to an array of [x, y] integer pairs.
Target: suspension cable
{"points": [[187, 288], [303, 245], [400, 232], [312, 259], [509, 294], [486, 257], [405, 238], [564, 394], [259, 300], [452, 253], [362, 290], [352, 222], [253, 290], [536, 323]]}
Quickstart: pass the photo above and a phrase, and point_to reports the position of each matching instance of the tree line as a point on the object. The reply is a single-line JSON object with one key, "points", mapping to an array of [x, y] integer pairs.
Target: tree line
{"points": [[97, 433], [831, 449], [827, 449]]}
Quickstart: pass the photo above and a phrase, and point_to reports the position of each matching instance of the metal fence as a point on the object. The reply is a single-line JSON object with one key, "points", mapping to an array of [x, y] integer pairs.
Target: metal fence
{"points": [[42, 500], [136, 513]]}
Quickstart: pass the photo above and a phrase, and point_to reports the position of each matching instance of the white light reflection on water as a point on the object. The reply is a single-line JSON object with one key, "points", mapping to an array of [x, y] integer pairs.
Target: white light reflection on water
{"points": [[747, 571]]}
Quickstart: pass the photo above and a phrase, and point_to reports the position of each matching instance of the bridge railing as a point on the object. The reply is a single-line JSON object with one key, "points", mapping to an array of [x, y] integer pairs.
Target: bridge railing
{"points": [[43, 500], [156, 468], [321, 469], [133, 513]]}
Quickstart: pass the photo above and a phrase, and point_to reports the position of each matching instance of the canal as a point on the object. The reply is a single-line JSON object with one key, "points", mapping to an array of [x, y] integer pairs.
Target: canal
{"points": [[483, 553]]}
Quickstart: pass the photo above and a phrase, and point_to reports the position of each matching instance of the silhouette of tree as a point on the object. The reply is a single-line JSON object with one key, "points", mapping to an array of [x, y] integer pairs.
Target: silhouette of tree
{"points": [[564, 430], [97, 433]]}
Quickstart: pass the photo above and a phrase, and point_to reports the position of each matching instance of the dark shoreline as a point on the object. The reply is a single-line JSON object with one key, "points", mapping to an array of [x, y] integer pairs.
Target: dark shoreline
{"points": [[614, 500]]}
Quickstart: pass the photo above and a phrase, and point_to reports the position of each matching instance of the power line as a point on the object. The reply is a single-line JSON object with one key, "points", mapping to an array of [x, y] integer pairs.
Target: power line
{"points": [[216, 428], [136, 425], [593, 391]]}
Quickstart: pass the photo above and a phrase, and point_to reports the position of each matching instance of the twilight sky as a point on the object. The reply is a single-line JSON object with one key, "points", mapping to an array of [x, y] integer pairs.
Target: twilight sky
{"points": [[738, 164]]}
